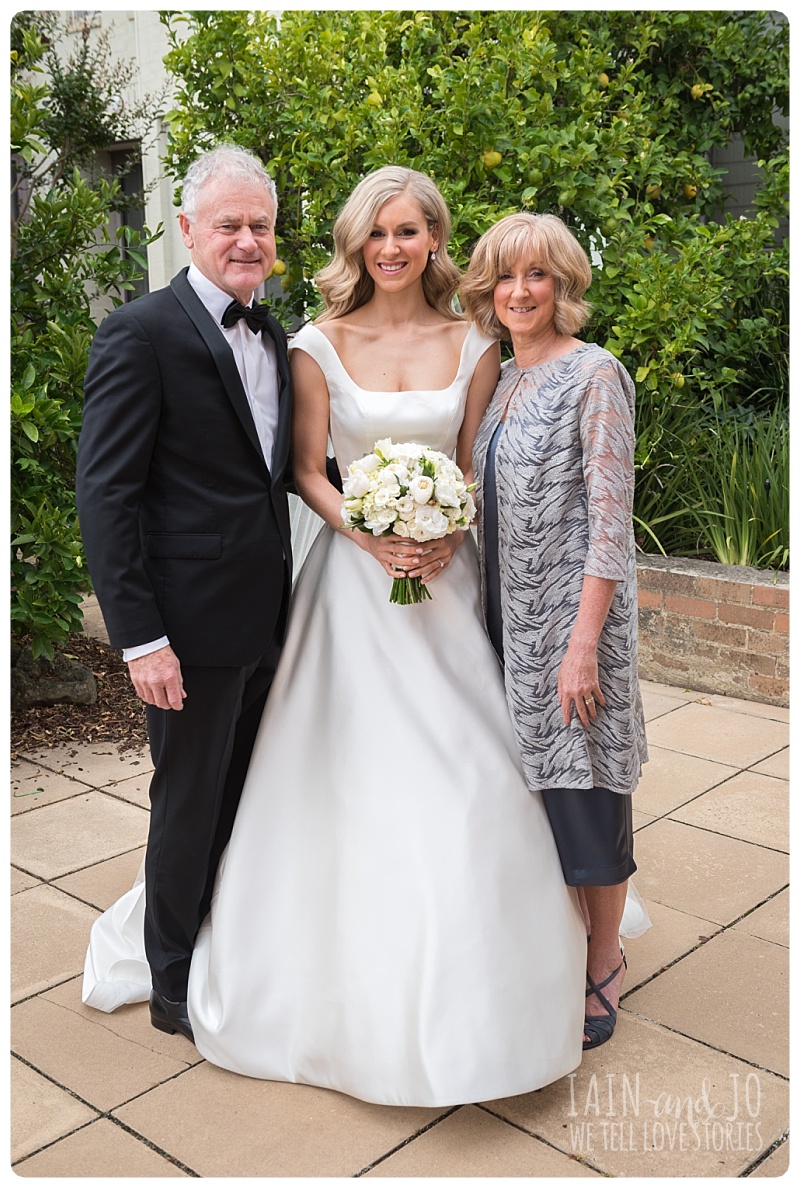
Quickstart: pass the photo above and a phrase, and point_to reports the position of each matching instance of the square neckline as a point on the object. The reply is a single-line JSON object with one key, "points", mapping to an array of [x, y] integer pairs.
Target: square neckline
{"points": [[400, 391]]}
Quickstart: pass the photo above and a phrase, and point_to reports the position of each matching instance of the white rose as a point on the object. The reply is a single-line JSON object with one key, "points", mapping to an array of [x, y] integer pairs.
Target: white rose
{"points": [[469, 507], [446, 493], [400, 471], [421, 488], [367, 465], [387, 478], [385, 497], [409, 450], [356, 485], [380, 520], [405, 507], [401, 528], [430, 520]]}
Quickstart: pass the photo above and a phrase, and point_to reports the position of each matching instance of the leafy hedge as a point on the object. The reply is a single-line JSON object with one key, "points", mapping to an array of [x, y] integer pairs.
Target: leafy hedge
{"points": [[63, 257], [609, 119]]}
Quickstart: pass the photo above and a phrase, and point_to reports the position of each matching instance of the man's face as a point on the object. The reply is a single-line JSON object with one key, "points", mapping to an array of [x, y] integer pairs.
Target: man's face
{"points": [[232, 239]]}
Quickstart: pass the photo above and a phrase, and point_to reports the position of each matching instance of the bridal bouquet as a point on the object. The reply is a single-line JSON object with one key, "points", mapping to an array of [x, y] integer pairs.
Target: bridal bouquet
{"points": [[410, 491]]}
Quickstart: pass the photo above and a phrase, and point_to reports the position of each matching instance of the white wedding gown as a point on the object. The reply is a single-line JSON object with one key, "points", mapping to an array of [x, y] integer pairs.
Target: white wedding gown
{"points": [[390, 918]]}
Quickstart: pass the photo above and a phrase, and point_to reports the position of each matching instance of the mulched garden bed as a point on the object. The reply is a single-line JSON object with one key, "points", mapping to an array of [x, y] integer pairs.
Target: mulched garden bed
{"points": [[116, 717]]}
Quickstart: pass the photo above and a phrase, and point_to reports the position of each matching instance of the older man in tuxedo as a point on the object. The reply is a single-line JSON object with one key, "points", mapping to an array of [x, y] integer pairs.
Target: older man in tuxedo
{"points": [[185, 521]]}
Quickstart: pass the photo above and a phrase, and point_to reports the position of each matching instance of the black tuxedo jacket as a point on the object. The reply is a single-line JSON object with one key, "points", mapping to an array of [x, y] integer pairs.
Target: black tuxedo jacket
{"points": [[185, 528]]}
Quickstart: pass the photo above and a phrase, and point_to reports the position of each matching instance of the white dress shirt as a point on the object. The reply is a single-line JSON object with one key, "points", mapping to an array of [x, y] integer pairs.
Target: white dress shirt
{"points": [[257, 364]]}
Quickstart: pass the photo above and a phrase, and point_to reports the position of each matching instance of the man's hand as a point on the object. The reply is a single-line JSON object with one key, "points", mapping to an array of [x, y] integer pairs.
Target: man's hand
{"points": [[157, 679]]}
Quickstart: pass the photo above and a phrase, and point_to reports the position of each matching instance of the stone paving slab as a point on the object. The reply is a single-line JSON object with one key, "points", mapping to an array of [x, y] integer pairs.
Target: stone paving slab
{"points": [[703, 1022], [101, 1149], [60, 838], [33, 785], [776, 765], [716, 733], [770, 921], [670, 780], [749, 806], [49, 932], [705, 874], [91, 1060], [42, 1112], [655, 1103], [280, 1129], [473, 1142], [102, 884], [95, 763], [731, 993]]}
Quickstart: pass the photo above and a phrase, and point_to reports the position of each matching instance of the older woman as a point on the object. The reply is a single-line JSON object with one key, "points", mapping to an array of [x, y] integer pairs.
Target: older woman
{"points": [[553, 461]]}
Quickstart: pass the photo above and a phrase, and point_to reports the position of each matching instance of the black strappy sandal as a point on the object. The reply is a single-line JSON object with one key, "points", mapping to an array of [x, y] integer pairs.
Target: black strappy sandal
{"points": [[600, 1028]]}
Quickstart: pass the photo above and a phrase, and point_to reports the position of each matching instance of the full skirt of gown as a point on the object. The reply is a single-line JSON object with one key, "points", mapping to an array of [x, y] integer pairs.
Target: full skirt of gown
{"points": [[390, 919]]}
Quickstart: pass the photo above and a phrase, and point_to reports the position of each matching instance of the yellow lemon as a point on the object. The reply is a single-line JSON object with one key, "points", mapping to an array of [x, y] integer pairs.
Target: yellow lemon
{"points": [[689, 191], [491, 158], [653, 191], [278, 268], [603, 79]]}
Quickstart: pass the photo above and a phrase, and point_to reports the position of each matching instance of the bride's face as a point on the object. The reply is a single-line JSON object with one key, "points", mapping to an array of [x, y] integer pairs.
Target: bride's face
{"points": [[398, 247]]}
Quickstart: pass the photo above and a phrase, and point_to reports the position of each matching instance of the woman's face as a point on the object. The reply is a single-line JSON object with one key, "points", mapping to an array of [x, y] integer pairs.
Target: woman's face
{"points": [[525, 300], [397, 250]]}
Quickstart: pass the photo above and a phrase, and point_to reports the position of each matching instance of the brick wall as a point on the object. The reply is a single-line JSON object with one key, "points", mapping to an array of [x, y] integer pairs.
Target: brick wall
{"points": [[714, 628]]}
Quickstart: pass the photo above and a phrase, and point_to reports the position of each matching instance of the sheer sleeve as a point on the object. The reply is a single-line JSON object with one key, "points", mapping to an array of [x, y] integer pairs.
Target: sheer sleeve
{"points": [[607, 440]]}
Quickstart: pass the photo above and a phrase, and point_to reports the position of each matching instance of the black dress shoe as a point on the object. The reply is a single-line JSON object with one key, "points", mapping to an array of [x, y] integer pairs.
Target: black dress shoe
{"points": [[170, 1016]]}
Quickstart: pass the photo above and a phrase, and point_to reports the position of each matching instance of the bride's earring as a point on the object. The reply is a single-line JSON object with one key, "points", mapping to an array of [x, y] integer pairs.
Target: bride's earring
{"points": [[433, 257]]}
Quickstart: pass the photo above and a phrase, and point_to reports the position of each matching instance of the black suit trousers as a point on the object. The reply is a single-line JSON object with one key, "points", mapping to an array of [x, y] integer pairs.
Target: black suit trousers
{"points": [[200, 755]]}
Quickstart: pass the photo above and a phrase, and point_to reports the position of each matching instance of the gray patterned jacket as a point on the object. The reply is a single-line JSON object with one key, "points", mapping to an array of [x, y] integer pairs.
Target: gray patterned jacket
{"points": [[564, 472]]}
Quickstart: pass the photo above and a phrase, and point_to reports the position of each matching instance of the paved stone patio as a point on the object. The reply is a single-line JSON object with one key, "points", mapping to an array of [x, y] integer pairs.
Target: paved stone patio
{"points": [[695, 1082]]}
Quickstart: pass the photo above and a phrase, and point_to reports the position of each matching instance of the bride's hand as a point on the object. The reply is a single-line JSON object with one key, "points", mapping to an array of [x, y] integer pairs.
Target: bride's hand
{"points": [[396, 554], [435, 557]]}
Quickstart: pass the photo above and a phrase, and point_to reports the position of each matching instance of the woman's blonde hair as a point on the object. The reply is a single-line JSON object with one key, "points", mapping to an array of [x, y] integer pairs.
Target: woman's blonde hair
{"points": [[523, 239], [345, 284]]}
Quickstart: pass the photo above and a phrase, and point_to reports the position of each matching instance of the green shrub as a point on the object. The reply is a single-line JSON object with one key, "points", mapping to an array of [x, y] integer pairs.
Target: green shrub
{"points": [[62, 258]]}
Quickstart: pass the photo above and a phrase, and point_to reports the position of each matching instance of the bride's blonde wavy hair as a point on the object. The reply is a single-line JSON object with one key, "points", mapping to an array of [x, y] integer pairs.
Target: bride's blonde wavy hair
{"points": [[345, 284]]}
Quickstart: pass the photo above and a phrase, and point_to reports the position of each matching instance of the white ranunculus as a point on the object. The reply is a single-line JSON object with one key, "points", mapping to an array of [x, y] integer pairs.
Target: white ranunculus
{"points": [[421, 488], [401, 528], [405, 507]]}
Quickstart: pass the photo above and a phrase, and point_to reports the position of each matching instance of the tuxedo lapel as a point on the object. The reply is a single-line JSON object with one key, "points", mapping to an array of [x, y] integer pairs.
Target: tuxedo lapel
{"points": [[221, 354], [283, 433]]}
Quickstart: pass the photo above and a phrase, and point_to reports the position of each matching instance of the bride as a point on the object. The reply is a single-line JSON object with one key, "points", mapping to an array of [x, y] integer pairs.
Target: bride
{"points": [[390, 919]]}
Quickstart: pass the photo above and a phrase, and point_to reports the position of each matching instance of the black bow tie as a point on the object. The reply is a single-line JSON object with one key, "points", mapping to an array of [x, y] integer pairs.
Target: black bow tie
{"points": [[254, 315]]}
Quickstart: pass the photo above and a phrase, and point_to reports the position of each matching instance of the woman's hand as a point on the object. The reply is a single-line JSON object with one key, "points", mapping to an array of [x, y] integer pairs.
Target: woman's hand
{"points": [[408, 558], [579, 683]]}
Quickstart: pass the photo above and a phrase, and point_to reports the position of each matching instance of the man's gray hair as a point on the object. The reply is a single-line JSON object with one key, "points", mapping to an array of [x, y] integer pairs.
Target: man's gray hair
{"points": [[229, 161]]}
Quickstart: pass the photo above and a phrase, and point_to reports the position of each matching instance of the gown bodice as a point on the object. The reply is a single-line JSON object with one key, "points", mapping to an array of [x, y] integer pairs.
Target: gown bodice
{"points": [[359, 418]]}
